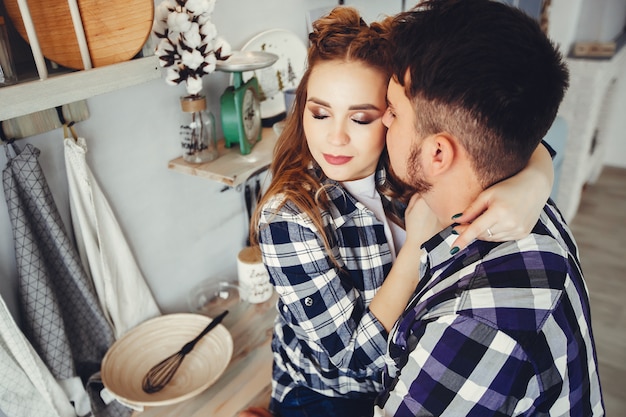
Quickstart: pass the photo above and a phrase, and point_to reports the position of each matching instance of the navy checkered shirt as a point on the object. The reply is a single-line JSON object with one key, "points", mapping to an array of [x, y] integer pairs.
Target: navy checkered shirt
{"points": [[499, 329], [325, 337]]}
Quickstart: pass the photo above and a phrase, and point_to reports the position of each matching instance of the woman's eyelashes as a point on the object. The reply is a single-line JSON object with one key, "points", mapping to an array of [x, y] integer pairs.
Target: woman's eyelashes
{"points": [[319, 113], [360, 118]]}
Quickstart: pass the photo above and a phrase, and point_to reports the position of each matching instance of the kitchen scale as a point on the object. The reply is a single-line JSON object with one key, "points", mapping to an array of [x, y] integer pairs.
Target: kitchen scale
{"points": [[240, 104]]}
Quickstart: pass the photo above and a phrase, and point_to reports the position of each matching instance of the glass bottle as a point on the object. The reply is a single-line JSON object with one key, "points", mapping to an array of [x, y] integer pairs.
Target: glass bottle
{"points": [[7, 70], [197, 130]]}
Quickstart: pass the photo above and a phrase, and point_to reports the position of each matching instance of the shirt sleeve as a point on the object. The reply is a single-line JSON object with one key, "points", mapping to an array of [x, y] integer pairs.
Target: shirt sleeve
{"points": [[461, 368], [321, 306]]}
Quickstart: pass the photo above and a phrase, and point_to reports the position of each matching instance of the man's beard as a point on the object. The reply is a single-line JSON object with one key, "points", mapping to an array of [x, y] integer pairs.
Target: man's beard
{"points": [[416, 182]]}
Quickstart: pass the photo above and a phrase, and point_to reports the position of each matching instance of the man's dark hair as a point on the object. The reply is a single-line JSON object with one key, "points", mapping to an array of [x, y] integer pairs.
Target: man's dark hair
{"points": [[483, 71]]}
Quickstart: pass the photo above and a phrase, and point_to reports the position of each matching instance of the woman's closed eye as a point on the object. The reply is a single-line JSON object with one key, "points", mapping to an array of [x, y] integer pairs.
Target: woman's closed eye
{"points": [[320, 116], [363, 119], [319, 113]]}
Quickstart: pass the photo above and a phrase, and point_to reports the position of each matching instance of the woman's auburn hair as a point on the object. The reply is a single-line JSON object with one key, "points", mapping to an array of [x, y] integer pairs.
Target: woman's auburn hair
{"points": [[341, 36]]}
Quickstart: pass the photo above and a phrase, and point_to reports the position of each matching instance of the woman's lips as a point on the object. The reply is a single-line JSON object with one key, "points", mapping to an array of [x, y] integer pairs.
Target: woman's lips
{"points": [[337, 159]]}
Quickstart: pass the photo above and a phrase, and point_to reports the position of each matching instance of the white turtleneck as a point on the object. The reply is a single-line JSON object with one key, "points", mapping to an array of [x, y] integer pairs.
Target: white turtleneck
{"points": [[364, 190]]}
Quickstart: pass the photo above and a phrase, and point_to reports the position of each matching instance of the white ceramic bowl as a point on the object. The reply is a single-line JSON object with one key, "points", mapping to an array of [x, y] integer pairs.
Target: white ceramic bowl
{"points": [[129, 358]]}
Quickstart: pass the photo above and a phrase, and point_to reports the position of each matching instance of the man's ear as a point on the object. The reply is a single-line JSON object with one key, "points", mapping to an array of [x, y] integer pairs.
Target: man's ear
{"points": [[440, 152]]}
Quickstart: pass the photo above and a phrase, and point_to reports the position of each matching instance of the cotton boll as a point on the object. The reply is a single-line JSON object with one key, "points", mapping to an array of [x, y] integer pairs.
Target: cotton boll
{"points": [[203, 18], [221, 43], [198, 7], [192, 59], [210, 6], [164, 47], [194, 85], [161, 12], [172, 76], [211, 62], [178, 22], [192, 36], [209, 30]]}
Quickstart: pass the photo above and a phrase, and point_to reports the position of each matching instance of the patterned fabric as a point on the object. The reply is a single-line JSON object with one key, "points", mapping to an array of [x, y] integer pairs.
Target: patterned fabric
{"points": [[106, 257], [27, 388], [499, 329], [325, 337], [61, 315]]}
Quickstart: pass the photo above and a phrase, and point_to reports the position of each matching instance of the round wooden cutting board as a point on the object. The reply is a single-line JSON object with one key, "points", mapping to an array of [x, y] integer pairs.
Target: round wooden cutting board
{"points": [[115, 30]]}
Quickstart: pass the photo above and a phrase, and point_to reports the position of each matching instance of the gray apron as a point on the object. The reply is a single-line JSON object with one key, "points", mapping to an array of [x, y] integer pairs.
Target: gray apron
{"points": [[60, 312]]}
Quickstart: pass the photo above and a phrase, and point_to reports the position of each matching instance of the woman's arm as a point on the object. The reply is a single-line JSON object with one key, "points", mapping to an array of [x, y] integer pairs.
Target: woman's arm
{"points": [[507, 210], [395, 293], [319, 302]]}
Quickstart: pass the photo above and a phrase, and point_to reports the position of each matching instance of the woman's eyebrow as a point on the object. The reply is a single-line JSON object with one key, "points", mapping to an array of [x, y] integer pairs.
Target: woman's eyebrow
{"points": [[366, 106], [318, 101]]}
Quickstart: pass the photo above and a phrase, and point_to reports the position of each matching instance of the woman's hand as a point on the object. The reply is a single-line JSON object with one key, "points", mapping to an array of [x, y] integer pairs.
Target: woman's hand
{"points": [[420, 222], [509, 209]]}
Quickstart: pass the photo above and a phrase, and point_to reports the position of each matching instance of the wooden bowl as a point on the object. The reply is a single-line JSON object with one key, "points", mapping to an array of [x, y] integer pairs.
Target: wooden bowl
{"points": [[129, 358]]}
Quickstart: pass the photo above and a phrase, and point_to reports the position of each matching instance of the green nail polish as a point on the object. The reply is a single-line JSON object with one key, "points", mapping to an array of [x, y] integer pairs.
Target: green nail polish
{"points": [[454, 250], [456, 216], [454, 232]]}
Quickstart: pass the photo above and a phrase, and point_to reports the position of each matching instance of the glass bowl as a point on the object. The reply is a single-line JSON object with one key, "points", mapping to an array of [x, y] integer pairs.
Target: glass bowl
{"points": [[212, 298]]}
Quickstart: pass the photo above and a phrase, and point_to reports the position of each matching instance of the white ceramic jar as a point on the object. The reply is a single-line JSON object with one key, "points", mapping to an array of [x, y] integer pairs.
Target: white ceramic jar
{"points": [[254, 281]]}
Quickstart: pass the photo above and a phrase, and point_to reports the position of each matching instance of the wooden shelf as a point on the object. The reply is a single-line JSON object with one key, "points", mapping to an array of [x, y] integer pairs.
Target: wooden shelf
{"points": [[25, 98], [231, 168]]}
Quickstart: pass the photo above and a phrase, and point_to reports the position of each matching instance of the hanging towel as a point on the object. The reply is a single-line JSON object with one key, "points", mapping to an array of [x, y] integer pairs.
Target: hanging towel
{"points": [[122, 290], [27, 388], [60, 312]]}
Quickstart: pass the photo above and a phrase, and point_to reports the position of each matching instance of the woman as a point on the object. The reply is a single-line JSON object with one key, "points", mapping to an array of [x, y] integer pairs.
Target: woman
{"points": [[331, 224]]}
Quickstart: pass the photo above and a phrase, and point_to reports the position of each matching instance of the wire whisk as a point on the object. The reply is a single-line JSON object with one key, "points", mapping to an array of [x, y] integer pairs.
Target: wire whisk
{"points": [[161, 374]]}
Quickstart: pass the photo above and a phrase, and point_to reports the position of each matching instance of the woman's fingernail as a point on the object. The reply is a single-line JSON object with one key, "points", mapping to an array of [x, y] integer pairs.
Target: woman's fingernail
{"points": [[454, 250], [454, 232], [456, 216]]}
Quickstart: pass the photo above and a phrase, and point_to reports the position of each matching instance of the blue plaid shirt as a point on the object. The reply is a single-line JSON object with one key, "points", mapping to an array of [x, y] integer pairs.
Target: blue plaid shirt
{"points": [[325, 337], [499, 329]]}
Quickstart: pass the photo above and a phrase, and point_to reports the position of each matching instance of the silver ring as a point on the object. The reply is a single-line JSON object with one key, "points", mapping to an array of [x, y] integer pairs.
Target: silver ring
{"points": [[489, 232]]}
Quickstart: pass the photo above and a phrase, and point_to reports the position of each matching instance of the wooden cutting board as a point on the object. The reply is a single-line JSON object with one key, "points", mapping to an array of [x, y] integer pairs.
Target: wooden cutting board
{"points": [[115, 30]]}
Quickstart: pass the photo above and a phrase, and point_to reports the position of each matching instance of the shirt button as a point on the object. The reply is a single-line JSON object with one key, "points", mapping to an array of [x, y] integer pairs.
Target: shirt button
{"points": [[308, 301], [285, 309]]}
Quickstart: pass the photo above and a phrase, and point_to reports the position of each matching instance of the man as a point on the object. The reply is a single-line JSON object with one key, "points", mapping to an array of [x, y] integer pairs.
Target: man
{"points": [[497, 329]]}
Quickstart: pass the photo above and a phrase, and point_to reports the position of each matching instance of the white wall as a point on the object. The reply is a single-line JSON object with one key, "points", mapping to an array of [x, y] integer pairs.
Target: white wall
{"points": [[616, 127], [601, 20], [182, 229]]}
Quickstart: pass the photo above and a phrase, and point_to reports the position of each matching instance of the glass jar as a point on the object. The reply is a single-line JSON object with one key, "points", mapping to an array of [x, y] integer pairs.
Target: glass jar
{"points": [[197, 130], [7, 70]]}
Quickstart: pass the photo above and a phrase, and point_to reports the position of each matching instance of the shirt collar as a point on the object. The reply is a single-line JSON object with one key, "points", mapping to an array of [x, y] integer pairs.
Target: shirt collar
{"points": [[438, 249], [343, 205]]}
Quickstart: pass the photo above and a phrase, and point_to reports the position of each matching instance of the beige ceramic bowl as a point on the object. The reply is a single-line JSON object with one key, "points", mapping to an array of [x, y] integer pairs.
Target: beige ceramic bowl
{"points": [[129, 358]]}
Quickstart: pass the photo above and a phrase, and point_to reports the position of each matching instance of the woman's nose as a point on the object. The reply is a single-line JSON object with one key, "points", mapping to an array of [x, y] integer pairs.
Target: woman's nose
{"points": [[338, 136]]}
